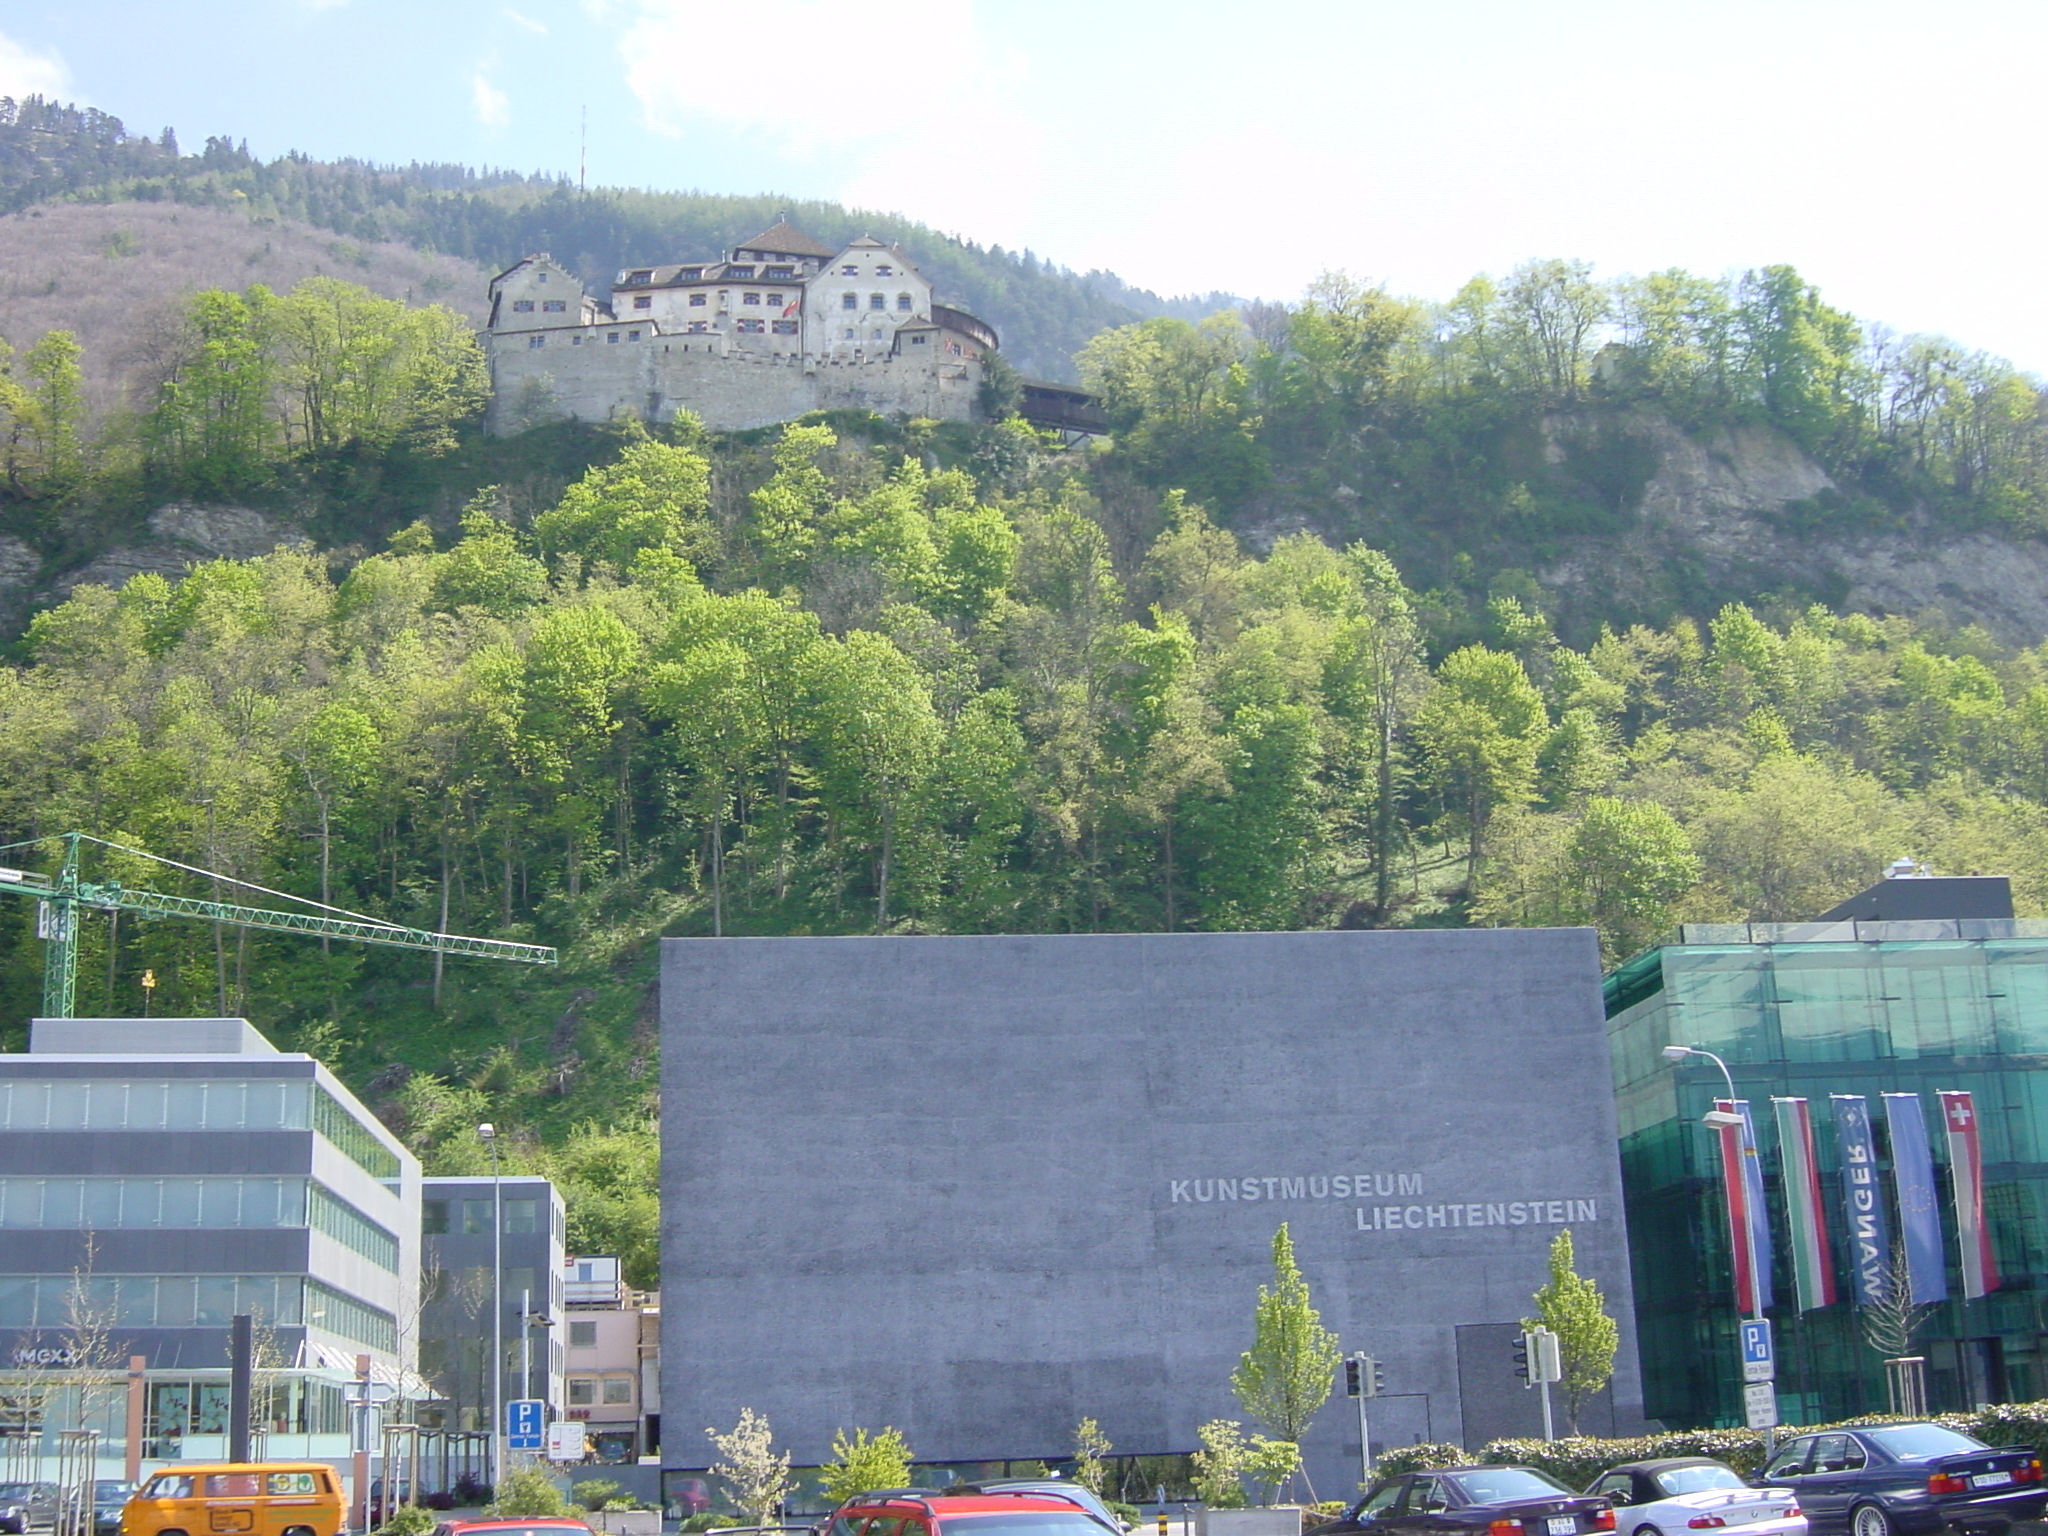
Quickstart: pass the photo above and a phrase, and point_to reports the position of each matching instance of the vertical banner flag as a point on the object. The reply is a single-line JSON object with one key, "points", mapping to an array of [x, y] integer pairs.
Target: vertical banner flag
{"points": [[1966, 1173], [1919, 1210], [1756, 1209], [1870, 1243], [1735, 1189], [1811, 1268]]}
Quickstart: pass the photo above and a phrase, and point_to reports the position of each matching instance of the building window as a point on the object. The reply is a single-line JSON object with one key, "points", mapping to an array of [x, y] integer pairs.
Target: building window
{"points": [[775, 299], [785, 327], [612, 337], [849, 301], [918, 341], [582, 1391], [740, 274], [699, 327], [772, 273], [876, 334], [903, 301], [555, 306], [434, 1217], [476, 1217], [751, 298], [540, 276], [885, 271], [575, 341], [849, 270], [878, 301], [643, 301], [644, 275], [752, 327], [849, 333], [632, 335], [582, 1335], [536, 341], [522, 306], [618, 1389], [519, 1215]]}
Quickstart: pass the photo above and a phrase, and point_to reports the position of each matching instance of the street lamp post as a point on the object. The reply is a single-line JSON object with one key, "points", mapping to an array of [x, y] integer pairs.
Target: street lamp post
{"points": [[488, 1135], [1718, 1120]]}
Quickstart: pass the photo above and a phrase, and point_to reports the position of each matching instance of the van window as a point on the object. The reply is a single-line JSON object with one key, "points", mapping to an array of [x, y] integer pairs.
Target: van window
{"points": [[231, 1485], [168, 1488], [289, 1482]]}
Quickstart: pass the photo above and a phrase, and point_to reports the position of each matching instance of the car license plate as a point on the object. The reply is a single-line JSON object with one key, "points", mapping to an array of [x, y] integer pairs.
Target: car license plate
{"points": [[1563, 1525], [1990, 1479]]}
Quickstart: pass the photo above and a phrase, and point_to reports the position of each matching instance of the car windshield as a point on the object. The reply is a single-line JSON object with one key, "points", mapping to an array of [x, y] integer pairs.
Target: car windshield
{"points": [[112, 1490], [1910, 1442], [1497, 1484], [14, 1490], [1023, 1522], [1696, 1480]]}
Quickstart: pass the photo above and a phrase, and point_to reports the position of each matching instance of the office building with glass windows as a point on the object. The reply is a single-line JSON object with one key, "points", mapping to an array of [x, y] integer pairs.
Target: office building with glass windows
{"points": [[158, 1177], [458, 1219], [1917, 986]]}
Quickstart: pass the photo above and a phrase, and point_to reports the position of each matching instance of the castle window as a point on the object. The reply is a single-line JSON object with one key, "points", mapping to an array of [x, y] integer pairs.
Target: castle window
{"points": [[739, 272], [575, 341], [752, 327], [522, 306], [644, 275], [699, 327], [632, 335], [772, 273], [849, 270], [849, 301], [752, 298], [849, 333], [878, 301], [688, 274], [540, 277], [903, 301], [697, 301], [643, 301], [613, 338], [877, 335], [556, 306], [536, 341], [885, 271], [775, 299], [785, 327]]}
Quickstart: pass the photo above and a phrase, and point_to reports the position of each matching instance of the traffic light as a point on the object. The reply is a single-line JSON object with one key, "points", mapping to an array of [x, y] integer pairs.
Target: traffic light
{"points": [[1375, 1378], [1547, 1358], [1522, 1357], [1351, 1373]]}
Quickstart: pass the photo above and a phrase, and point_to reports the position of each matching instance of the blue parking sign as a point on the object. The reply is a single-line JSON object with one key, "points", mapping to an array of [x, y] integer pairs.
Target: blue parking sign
{"points": [[526, 1424], [1759, 1361]]}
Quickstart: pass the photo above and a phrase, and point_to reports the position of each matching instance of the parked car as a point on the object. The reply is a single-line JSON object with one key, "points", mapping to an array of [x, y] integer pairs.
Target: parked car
{"points": [[1078, 1492], [27, 1507], [685, 1496], [549, 1526], [1677, 1495], [992, 1512], [1908, 1480], [1455, 1500], [109, 1494]]}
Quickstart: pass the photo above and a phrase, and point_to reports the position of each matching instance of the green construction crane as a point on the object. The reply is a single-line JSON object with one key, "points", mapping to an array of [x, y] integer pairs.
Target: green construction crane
{"points": [[68, 894]]}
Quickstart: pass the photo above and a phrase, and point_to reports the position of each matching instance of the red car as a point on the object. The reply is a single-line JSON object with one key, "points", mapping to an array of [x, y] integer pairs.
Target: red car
{"points": [[548, 1526], [926, 1512]]}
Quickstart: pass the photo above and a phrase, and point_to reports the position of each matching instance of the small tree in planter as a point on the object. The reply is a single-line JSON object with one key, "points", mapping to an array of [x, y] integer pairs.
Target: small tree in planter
{"points": [[862, 1465], [1227, 1458], [1285, 1377], [758, 1478], [1091, 1445]]}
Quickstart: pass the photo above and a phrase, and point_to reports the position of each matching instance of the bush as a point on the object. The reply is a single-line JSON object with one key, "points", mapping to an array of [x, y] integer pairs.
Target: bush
{"points": [[528, 1493], [696, 1525], [1417, 1457], [406, 1520], [602, 1493]]}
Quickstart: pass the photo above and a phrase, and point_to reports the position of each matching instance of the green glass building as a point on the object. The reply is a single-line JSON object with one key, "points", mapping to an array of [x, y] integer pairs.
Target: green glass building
{"points": [[1916, 985]]}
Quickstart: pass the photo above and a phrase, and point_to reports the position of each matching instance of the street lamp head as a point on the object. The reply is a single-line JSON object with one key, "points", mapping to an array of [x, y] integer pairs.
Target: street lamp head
{"points": [[1720, 1118], [487, 1132], [1677, 1052]]}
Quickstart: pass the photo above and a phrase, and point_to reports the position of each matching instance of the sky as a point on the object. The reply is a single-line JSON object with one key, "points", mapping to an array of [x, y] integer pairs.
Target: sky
{"points": [[1886, 150]]}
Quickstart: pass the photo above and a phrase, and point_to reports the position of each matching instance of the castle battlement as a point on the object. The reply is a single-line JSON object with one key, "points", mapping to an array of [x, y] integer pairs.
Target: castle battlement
{"points": [[783, 326]]}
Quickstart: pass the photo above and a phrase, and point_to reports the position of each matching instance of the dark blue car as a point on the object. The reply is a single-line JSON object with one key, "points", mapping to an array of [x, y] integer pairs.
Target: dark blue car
{"points": [[1907, 1480]]}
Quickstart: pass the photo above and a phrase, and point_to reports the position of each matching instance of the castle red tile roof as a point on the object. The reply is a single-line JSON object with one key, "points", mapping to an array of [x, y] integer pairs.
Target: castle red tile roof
{"points": [[785, 239]]}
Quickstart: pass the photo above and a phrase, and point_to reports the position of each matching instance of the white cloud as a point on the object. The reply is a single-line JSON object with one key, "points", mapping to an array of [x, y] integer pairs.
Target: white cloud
{"points": [[23, 73], [493, 106], [535, 27], [908, 104]]}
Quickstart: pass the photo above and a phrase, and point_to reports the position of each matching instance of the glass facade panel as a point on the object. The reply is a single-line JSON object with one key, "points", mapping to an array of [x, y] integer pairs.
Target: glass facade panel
{"points": [[179, 1104]]}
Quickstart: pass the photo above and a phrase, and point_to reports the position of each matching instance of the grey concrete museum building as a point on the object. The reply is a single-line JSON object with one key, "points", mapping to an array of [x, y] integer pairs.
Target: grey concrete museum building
{"points": [[979, 1187]]}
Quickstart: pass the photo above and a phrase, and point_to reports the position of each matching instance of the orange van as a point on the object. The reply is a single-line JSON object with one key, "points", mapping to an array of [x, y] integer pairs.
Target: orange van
{"points": [[273, 1498]]}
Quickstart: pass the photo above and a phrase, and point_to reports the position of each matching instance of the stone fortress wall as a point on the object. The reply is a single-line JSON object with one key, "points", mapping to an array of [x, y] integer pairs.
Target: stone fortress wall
{"points": [[784, 327]]}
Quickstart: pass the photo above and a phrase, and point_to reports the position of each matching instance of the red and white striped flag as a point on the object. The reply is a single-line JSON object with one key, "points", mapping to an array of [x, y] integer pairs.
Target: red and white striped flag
{"points": [[1812, 1266], [1735, 1188], [1966, 1174]]}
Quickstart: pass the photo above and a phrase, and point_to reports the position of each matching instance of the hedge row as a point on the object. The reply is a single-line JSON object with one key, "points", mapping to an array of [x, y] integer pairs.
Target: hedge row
{"points": [[1577, 1460]]}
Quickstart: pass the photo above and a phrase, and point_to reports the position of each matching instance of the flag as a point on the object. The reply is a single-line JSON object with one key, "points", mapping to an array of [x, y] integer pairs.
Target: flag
{"points": [[1862, 1207], [1748, 1223], [791, 308], [1811, 1268], [1966, 1174], [1919, 1211]]}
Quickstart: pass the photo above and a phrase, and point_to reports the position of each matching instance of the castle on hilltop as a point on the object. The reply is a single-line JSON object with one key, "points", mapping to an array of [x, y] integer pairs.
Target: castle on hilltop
{"points": [[783, 326]]}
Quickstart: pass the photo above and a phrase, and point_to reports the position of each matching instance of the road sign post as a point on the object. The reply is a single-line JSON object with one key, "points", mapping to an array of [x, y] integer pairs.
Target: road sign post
{"points": [[1759, 1357], [1760, 1404], [526, 1424]]}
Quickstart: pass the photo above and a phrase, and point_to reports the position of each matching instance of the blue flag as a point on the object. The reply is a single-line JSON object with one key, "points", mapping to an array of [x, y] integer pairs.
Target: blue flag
{"points": [[1870, 1239], [1759, 1213], [1919, 1210]]}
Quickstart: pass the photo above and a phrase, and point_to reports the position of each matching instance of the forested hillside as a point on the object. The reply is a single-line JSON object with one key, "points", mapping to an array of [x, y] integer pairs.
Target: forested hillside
{"points": [[47, 150]]}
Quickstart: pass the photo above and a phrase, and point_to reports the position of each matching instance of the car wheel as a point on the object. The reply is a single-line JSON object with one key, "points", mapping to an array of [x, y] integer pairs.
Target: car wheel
{"points": [[1648, 1530], [1870, 1520]]}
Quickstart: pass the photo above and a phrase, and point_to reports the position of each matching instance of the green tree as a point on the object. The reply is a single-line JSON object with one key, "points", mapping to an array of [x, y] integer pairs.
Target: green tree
{"points": [[1285, 1377], [527, 1493], [1571, 1307], [756, 1475], [1091, 1447], [864, 1464], [654, 496]]}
